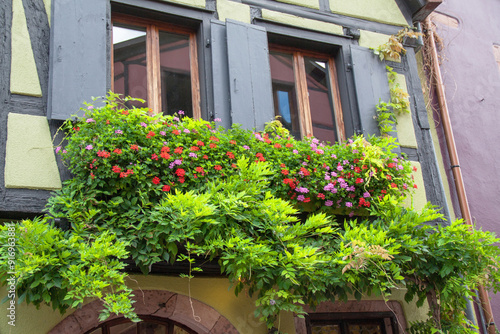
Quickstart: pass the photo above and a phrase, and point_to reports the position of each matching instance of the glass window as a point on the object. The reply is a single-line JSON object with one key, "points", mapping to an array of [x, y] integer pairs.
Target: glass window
{"points": [[156, 62], [305, 94]]}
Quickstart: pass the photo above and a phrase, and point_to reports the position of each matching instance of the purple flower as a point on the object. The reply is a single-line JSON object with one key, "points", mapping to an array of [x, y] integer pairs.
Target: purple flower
{"points": [[217, 120], [258, 136], [193, 155], [176, 119], [90, 107], [320, 151], [301, 198], [351, 188], [181, 112], [355, 151], [328, 203], [340, 168], [328, 187], [348, 204], [295, 152], [246, 147], [118, 132], [171, 165], [334, 156], [64, 151], [304, 163], [327, 177], [186, 131], [350, 141], [272, 302], [345, 162], [58, 148], [351, 213], [314, 147], [315, 141], [89, 147], [333, 174], [366, 194], [302, 190], [143, 124], [163, 133], [177, 161], [90, 120]]}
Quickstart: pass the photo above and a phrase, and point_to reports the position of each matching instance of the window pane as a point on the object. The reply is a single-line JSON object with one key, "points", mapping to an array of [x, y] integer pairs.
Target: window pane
{"points": [[285, 100], [129, 56], [325, 329], [175, 73], [151, 328], [320, 102], [126, 328], [97, 331], [178, 330], [365, 329]]}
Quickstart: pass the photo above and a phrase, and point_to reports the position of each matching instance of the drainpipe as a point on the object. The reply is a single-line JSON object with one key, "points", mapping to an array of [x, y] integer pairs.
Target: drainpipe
{"points": [[455, 165]]}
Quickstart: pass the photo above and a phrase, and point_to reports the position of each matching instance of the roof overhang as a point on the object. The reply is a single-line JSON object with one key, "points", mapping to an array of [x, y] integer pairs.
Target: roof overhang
{"points": [[420, 9]]}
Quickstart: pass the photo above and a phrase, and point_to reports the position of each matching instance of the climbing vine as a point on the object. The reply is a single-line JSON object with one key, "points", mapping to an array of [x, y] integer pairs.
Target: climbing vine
{"points": [[290, 222]]}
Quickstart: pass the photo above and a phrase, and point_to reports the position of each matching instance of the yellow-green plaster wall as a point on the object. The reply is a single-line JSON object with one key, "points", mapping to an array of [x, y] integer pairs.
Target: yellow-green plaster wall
{"points": [[304, 3], [370, 39], [302, 22], [233, 10], [29, 159], [193, 3], [23, 75], [404, 128], [385, 11]]}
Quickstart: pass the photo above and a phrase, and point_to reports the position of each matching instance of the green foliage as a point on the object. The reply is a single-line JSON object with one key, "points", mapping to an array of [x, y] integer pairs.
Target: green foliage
{"points": [[393, 48], [63, 269], [136, 193]]}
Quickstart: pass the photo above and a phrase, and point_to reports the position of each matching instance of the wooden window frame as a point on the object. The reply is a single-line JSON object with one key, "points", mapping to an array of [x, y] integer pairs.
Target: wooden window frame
{"points": [[153, 59], [298, 55], [387, 320], [170, 324]]}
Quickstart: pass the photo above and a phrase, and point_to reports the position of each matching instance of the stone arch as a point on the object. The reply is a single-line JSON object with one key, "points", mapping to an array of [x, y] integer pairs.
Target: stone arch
{"points": [[158, 303]]}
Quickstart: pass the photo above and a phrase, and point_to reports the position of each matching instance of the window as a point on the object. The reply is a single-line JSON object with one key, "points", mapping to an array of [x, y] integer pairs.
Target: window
{"points": [[149, 325], [351, 323], [305, 93], [156, 62]]}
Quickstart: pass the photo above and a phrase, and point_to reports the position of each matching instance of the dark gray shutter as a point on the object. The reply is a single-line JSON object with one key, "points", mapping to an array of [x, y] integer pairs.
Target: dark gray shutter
{"points": [[79, 54], [220, 74], [370, 78], [250, 87]]}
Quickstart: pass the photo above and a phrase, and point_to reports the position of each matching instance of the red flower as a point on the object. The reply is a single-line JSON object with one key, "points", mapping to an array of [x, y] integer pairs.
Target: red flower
{"points": [[322, 196], [305, 171], [307, 199], [176, 132], [178, 150], [77, 128], [357, 169], [391, 165], [205, 157], [150, 134], [284, 172], [165, 149], [414, 168], [125, 112], [181, 180], [388, 177], [134, 147], [200, 143], [154, 156], [212, 145], [277, 145], [218, 167], [103, 154], [117, 151], [282, 165], [194, 148], [383, 191], [364, 167], [116, 169], [359, 180], [289, 145], [234, 166], [260, 157], [233, 142], [166, 188], [415, 186], [180, 172], [355, 161], [165, 155], [122, 175], [156, 180], [394, 185], [213, 138], [230, 155]]}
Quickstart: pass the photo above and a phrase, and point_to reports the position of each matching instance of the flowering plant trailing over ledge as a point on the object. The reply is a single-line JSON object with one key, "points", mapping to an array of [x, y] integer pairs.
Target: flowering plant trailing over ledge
{"points": [[145, 186]]}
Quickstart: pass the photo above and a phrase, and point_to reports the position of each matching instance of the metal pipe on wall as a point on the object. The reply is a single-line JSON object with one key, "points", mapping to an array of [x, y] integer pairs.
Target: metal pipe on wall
{"points": [[455, 165]]}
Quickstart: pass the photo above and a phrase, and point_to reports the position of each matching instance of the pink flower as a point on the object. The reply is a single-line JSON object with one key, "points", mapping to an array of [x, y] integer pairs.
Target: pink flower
{"points": [[89, 147]]}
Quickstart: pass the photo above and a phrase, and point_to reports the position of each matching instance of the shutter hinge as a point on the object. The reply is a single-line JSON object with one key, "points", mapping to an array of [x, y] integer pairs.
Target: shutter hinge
{"points": [[207, 43], [348, 67]]}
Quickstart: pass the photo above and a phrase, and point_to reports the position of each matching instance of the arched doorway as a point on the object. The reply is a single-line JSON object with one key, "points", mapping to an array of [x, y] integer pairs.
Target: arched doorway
{"points": [[158, 307], [149, 325]]}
